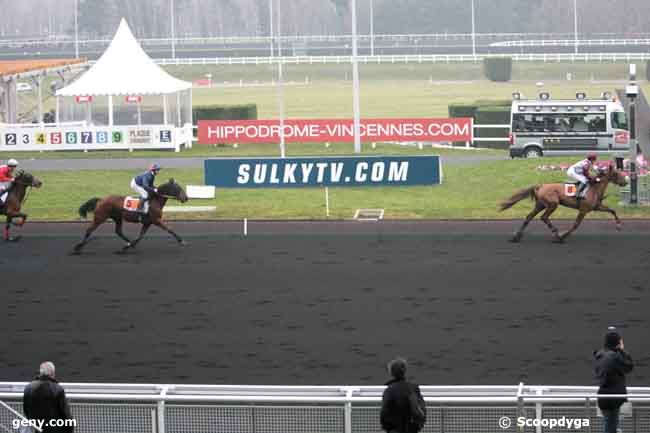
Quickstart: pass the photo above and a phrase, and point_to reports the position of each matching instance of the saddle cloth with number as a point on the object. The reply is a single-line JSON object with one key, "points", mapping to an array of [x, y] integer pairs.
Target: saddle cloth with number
{"points": [[571, 190], [131, 204]]}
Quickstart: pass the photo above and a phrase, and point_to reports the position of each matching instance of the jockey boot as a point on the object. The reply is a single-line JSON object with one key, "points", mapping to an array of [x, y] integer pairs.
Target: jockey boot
{"points": [[580, 194]]}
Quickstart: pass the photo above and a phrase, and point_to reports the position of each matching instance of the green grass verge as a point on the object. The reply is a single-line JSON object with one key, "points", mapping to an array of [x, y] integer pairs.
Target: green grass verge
{"points": [[244, 150], [467, 192]]}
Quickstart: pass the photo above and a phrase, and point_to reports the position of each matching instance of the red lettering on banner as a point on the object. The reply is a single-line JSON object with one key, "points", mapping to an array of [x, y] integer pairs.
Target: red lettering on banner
{"points": [[334, 130]]}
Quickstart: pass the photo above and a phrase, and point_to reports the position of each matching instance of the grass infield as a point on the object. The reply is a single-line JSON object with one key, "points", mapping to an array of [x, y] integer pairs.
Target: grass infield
{"points": [[467, 192]]}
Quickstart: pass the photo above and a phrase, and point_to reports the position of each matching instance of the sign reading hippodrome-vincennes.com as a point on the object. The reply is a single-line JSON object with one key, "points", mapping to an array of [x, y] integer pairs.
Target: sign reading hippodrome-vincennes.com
{"points": [[335, 171], [334, 130]]}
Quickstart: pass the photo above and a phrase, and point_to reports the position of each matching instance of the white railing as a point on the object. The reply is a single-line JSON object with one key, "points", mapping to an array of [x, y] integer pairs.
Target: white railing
{"points": [[491, 139], [127, 408], [407, 58], [573, 42], [223, 40]]}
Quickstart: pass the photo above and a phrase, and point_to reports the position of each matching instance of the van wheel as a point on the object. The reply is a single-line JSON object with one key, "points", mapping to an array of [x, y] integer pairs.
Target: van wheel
{"points": [[532, 152]]}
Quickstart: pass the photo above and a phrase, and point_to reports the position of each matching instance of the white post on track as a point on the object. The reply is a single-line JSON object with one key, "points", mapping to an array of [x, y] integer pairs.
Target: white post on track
{"points": [[327, 201], [245, 226]]}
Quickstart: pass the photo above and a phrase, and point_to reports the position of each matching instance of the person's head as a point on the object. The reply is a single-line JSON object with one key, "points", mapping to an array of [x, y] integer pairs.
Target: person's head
{"points": [[397, 368], [612, 339], [591, 156], [12, 164], [47, 369], [154, 168]]}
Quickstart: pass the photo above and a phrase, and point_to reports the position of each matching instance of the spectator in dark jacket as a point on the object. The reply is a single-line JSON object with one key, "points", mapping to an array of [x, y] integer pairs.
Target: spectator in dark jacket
{"points": [[395, 407], [44, 400], [612, 364]]}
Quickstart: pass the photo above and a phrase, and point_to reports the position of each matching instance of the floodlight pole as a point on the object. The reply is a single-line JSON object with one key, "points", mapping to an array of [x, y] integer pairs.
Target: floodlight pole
{"points": [[575, 25], [372, 29], [280, 81], [632, 91], [76, 29], [271, 25], [473, 31], [171, 7], [355, 82]]}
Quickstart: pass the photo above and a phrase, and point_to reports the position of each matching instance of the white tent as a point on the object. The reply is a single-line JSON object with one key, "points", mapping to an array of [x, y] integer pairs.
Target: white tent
{"points": [[126, 70]]}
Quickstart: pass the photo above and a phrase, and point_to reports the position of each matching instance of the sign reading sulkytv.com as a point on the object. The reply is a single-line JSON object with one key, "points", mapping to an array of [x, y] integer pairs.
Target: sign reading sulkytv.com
{"points": [[335, 171]]}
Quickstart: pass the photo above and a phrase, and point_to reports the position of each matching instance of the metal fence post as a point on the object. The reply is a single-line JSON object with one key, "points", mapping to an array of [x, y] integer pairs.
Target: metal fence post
{"points": [[539, 410], [348, 410], [161, 410], [587, 410]]}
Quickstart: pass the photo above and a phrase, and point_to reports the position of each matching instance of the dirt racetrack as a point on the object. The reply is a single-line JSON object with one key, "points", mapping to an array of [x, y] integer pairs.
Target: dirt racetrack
{"points": [[325, 303]]}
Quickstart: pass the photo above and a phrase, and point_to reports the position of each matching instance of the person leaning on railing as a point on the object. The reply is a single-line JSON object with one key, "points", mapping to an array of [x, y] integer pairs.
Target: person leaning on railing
{"points": [[44, 400], [612, 364], [402, 408]]}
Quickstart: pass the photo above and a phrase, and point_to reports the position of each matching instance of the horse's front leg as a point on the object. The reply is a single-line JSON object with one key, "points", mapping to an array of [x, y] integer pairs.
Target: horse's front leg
{"points": [[576, 224], [10, 217], [602, 208], [143, 231], [164, 226], [5, 233]]}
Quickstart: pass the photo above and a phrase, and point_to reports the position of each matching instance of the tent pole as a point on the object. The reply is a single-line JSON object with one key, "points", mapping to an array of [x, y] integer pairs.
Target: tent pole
{"points": [[110, 110], [40, 98], [58, 107], [178, 108], [164, 109]]}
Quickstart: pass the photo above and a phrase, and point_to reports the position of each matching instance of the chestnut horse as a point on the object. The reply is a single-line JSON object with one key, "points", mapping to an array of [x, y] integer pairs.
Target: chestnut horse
{"points": [[112, 207], [17, 193], [549, 196]]}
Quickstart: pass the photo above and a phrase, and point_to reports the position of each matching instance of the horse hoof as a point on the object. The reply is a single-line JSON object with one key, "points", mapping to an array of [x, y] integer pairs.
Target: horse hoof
{"points": [[182, 243], [516, 238], [75, 252], [13, 238], [619, 227], [558, 240]]}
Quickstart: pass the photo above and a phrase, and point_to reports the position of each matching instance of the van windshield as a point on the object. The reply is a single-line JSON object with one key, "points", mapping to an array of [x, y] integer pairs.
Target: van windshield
{"points": [[619, 120]]}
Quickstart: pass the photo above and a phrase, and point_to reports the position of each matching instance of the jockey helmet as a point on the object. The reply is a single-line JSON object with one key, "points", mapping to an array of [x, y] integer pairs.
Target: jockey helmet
{"points": [[12, 163], [154, 167], [592, 156]]}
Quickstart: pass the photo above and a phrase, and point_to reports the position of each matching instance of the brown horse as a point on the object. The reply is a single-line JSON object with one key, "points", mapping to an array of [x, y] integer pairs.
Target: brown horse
{"points": [[112, 207], [17, 193], [549, 196]]}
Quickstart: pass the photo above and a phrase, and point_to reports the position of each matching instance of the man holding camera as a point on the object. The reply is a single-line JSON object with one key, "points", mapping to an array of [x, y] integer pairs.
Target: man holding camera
{"points": [[612, 364]]}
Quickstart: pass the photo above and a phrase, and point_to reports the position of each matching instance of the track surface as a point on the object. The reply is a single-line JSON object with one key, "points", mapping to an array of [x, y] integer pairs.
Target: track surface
{"points": [[325, 303]]}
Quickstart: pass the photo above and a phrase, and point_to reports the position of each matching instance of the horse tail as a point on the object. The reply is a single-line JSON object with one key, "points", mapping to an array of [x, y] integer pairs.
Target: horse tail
{"points": [[88, 206], [519, 196]]}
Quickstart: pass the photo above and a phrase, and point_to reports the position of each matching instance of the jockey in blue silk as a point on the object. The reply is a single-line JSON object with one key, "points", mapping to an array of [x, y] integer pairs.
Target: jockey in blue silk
{"points": [[143, 184]]}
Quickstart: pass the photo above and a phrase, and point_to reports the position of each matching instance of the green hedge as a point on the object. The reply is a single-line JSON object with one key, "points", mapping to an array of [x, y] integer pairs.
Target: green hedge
{"points": [[486, 113], [224, 112], [492, 115], [498, 68]]}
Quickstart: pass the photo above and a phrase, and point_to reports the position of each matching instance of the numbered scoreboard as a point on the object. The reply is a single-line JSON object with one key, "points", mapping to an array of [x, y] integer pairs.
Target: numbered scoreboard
{"points": [[92, 138]]}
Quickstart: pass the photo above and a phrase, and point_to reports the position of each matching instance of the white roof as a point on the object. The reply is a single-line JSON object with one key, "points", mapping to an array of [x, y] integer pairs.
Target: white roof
{"points": [[124, 69]]}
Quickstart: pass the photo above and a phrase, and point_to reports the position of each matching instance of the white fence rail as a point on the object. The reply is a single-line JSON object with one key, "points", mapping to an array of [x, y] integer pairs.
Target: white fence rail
{"points": [[408, 58], [128, 408]]}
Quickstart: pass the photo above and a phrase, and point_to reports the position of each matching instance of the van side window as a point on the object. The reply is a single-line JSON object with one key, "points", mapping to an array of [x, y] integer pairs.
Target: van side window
{"points": [[619, 121]]}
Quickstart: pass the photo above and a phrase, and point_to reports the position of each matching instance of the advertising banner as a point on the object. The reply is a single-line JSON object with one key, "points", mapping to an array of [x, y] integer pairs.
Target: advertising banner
{"points": [[310, 172], [334, 130]]}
